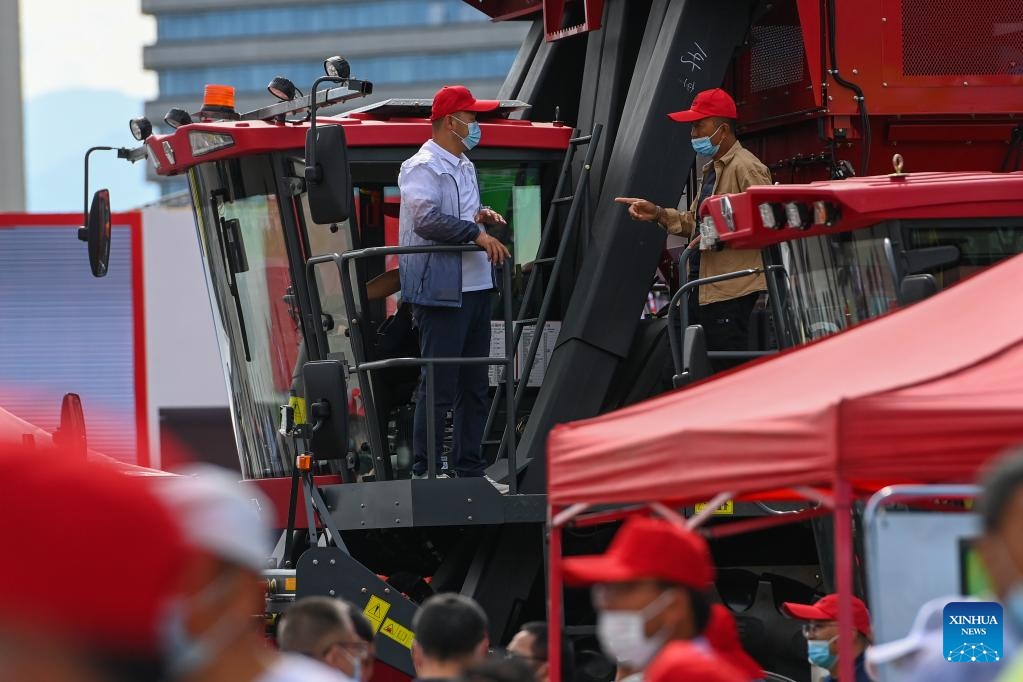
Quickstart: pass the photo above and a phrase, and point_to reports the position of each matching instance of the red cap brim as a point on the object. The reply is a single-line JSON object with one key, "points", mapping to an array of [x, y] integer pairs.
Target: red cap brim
{"points": [[597, 568], [686, 116], [804, 611], [483, 105]]}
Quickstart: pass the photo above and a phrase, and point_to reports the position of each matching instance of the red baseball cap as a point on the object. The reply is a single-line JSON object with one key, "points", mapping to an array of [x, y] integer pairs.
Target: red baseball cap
{"points": [[106, 575], [826, 608], [689, 661], [648, 549], [714, 102], [453, 98], [723, 635]]}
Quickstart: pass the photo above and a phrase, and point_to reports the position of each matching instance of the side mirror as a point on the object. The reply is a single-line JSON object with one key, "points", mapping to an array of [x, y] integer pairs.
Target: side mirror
{"points": [[97, 232], [328, 177], [695, 363], [70, 436], [915, 288], [326, 394]]}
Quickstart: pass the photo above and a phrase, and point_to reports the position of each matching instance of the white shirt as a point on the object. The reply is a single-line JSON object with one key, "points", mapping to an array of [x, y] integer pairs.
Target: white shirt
{"points": [[297, 668], [476, 273]]}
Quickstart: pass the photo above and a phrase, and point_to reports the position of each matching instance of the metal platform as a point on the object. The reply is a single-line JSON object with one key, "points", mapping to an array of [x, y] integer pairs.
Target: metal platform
{"points": [[437, 502]]}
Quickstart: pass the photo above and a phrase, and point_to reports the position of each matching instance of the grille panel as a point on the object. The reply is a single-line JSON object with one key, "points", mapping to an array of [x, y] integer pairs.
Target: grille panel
{"points": [[955, 38]]}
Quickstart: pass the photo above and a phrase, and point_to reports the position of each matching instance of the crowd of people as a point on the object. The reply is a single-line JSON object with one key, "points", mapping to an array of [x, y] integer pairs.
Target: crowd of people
{"points": [[118, 578]]}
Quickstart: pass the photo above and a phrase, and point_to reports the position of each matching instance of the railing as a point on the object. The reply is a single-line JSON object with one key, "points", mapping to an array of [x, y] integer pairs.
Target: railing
{"points": [[364, 367], [678, 308]]}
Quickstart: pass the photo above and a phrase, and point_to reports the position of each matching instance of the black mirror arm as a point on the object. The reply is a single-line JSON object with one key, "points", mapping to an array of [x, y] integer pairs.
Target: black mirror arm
{"points": [[82, 235], [320, 411], [312, 171]]}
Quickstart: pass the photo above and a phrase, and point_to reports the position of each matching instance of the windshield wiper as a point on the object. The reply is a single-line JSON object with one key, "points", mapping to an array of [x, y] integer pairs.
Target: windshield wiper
{"points": [[234, 258]]}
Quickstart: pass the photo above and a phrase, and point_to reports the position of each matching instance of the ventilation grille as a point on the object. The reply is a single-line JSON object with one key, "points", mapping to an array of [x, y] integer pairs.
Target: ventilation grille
{"points": [[777, 57], [955, 38]]}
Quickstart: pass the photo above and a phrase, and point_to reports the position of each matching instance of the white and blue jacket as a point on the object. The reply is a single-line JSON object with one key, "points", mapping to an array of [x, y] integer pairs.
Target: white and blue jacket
{"points": [[430, 210]]}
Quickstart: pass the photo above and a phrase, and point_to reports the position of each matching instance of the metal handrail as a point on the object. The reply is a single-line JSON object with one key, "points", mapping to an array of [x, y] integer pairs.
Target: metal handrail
{"points": [[364, 367], [679, 306]]}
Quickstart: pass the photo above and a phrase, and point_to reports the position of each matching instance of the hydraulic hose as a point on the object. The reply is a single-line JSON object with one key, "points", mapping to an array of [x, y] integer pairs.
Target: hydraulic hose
{"points": [[849, 85]]}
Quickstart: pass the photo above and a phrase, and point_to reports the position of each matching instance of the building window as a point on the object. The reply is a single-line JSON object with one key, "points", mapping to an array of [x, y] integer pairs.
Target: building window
{"points": [[395, 69], [265, 21]]}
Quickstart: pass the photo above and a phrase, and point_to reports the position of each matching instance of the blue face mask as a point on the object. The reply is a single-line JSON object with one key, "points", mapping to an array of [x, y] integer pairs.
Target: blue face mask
{"points": [[356, 662], [818, 652], [703, 146], [473, 138], [185, 653]]}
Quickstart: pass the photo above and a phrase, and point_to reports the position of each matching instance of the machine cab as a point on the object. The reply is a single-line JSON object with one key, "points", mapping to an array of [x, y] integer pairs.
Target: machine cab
{"points": [[256, 226]]}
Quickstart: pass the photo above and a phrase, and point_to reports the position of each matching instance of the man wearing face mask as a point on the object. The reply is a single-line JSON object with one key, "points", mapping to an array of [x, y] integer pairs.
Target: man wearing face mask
{"points": [[1001, 549], [79, 527], [211, 634], [821, 632], [724, 308], [450, 292], [650, 589], [322, 628]]}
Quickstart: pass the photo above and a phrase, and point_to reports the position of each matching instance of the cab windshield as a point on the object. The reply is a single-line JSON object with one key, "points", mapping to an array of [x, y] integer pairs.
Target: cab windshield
{"points": [[833, 282], [256, 236]]}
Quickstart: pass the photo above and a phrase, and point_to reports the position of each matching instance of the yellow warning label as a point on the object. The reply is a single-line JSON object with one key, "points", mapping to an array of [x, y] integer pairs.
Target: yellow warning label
{"points": [[727, 508], [290, 584], [376, 609], [298, 404], [399, 634]]}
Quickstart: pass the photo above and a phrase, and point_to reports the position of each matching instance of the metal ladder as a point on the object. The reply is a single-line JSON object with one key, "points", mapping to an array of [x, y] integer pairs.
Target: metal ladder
{"points": [[574, 201]]}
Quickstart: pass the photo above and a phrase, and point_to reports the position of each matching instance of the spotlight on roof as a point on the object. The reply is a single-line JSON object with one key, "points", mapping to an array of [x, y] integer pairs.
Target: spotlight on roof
{"points": [[141, 128], [176, 118], [283, 89], [337, 67]]}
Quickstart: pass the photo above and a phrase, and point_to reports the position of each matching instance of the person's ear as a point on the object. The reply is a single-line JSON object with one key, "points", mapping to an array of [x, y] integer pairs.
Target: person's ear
{"points": [[332, 658], [417, 656], [482, 648], [541, 672]]}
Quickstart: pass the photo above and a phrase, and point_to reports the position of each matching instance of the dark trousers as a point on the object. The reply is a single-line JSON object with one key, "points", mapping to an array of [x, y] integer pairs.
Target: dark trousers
{"points": [[454, 333], [726, 327]]}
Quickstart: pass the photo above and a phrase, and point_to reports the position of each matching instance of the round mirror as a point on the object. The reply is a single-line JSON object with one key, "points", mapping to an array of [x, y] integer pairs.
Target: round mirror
{"points": [[98, 232]]}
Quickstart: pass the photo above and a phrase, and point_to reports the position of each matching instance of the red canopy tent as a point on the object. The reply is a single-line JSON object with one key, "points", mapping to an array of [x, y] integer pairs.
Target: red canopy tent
{"points": [[925, 395]]}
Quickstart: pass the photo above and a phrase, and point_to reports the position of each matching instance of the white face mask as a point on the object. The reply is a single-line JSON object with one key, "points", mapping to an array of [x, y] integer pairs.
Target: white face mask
{"points": [[622, 634]]}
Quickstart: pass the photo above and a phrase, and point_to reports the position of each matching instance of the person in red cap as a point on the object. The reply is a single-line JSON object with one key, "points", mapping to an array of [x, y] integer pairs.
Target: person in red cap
{"points": [[723, 635], [724, 308], [821, 632], [650, 588], [450, 292], [95, 564]]}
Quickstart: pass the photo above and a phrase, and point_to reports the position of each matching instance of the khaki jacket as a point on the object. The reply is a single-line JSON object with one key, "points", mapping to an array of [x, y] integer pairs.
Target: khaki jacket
{"points": [[736, 170]]}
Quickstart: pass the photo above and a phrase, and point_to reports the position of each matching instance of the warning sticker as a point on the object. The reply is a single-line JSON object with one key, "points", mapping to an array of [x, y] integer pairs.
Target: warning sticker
{"points": [[399, 634], [376, 610], [290, 584], [727, 508]]}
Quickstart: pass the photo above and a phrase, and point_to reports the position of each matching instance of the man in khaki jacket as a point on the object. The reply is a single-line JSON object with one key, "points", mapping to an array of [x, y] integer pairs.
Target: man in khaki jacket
{"points": [[725, 307]]}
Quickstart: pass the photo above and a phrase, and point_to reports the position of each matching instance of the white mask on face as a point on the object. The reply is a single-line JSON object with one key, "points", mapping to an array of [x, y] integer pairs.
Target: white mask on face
{"points": [[622, 634]]}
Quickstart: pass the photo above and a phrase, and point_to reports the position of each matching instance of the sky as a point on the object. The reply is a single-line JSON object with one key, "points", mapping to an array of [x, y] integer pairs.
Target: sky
{"points": [[81, 69]]}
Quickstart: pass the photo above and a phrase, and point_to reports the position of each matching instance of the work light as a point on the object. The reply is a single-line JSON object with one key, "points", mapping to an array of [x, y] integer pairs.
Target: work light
{"points": [[176, 118], [337, 67], [283, 89], [141, 128]]}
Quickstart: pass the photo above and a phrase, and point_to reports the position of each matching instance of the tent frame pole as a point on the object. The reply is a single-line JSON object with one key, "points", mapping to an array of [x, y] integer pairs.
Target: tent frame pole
{"points": [[555, 596], [844, 578]]}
